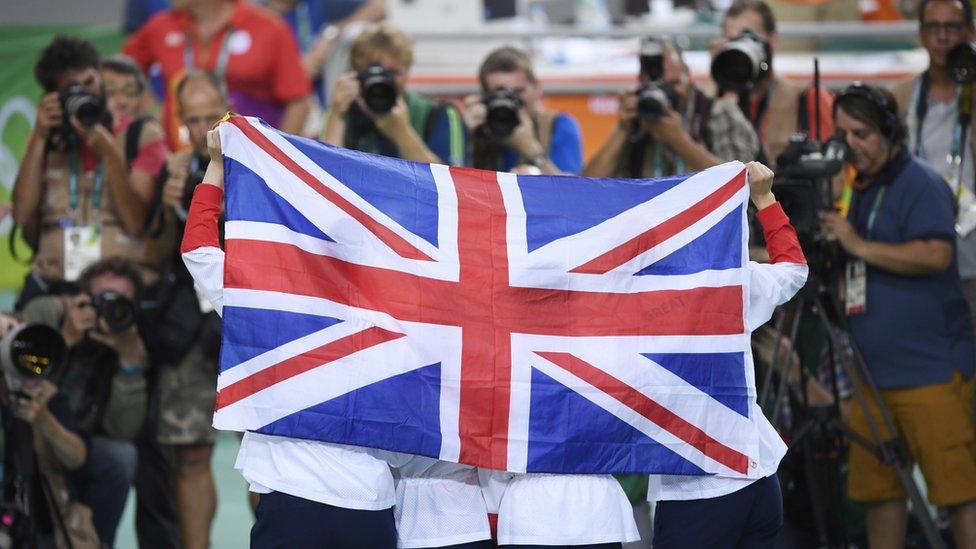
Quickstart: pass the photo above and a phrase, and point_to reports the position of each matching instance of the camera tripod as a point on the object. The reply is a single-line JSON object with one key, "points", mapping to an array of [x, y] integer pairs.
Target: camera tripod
{"points": [[819, 436]]}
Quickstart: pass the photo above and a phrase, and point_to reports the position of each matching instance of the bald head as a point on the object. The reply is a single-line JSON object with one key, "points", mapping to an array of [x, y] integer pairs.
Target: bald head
{"points": [[202, 102]]}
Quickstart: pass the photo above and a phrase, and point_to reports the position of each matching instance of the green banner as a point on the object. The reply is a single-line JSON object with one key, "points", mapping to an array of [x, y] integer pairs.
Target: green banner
{"points": [[19, 93]]}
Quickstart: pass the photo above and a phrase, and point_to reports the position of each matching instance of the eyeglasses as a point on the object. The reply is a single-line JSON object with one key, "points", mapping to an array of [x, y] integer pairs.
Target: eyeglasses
{"points": [[950, 27]]}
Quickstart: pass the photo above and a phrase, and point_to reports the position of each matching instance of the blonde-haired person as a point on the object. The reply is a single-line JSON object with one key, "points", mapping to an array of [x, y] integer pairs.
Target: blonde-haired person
{"points": [[414, 128]]}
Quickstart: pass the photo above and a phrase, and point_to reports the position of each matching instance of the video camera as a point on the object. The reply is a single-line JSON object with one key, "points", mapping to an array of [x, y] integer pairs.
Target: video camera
{"points": [[31, 351], [803, 184], [502, 112], [118, 311], [742, 62], [378, 89], [654, 96]]}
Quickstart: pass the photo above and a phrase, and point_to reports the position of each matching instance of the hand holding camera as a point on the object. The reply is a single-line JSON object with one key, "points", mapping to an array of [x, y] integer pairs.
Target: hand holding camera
{"points": [[345, 92], [49, 115], [30, 404], [178, 168], [394, 122]]}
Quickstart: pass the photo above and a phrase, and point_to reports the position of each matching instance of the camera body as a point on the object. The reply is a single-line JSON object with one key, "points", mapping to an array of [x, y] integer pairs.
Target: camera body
{"points": [[78, 102], [961, 61], [742, 62], [804, 181], [193, 178], [654, 98], [31, 351], [377, 86], [502, 108], [118, 311]]}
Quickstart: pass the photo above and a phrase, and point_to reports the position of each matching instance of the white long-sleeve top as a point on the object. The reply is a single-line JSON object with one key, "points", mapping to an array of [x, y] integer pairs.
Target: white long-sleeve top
{"points": [[770, 285], [334, 474]]}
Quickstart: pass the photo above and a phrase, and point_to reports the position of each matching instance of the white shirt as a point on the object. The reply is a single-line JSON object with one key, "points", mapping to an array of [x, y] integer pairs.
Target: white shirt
{"points": [[770, 285], [548, 509], [438, 503], [334, 474]]}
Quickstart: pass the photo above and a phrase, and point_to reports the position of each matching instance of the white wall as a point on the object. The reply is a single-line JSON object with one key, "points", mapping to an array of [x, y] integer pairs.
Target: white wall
{"points": [[61, 12]]}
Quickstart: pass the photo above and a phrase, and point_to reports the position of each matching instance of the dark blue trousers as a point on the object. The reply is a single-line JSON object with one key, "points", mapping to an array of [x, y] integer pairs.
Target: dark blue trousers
{"points": [[289, 522], [748, 519]]}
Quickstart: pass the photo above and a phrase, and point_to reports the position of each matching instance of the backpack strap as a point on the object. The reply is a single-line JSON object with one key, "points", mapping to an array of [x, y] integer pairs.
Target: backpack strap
{"points": [[132, 139]]}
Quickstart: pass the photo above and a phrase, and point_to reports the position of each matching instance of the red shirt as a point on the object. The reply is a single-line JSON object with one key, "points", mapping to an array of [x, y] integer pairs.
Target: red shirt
{"points": [[263, 69]]}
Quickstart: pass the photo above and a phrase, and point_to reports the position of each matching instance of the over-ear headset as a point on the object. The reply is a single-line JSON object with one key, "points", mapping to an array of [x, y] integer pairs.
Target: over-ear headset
{"points": [[891, 126]]}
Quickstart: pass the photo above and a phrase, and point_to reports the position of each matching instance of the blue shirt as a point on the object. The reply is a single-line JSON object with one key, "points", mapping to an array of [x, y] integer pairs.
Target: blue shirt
{"points": [[565, 146], [916, 330]]}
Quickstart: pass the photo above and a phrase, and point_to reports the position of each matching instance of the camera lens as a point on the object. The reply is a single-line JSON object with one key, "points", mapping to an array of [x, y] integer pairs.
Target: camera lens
{"points": [[653, 100], [378, 88], [33, 350], [740, 63], [118, 311], [78, 102], [502, 116], [962, 63]]}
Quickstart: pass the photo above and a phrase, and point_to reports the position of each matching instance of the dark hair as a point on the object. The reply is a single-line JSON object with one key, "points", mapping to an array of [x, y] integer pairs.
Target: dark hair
{"points": [[875, 106], [124, 64], [203, 75], [759, 6], [967, 9], [116, 266], [505, 59], [64, 53]]}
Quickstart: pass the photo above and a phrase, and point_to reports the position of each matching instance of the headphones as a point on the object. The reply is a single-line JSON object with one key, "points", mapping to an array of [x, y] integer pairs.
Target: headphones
{"points": [[891, 126]]}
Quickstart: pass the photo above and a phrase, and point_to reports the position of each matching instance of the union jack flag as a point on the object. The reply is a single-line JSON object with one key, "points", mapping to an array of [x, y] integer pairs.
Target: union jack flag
{"points": [[520, 323]]}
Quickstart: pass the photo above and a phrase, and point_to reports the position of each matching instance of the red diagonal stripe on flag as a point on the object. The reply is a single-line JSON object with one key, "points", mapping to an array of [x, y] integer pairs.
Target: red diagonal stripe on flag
{"points": [[663, 231], [397, 243], [640, 403], [330, 352]]}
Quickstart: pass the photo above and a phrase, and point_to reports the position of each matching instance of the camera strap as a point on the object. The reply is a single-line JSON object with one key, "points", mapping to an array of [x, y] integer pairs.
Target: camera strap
{"points": [[73, 183], [223, 56]]}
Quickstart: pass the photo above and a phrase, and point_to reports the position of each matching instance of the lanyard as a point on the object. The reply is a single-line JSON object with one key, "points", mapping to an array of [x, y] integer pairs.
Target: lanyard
{"points": [[303, 24], [874, 211], [220, 67], [964, 108], [73, 184]]}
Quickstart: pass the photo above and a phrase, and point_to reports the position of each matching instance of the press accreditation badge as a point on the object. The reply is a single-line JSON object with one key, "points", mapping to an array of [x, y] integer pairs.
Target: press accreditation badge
{"points": [[82, 247], [856, 287]]}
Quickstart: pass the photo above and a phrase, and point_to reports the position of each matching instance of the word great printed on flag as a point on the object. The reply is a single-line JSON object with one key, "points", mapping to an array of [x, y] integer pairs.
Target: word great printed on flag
{"points": [[520, 323]]}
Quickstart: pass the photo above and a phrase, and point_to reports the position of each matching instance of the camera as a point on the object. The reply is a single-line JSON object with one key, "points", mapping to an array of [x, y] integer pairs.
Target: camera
{"points": [[804, 181], [82, 104], [502, 112], [741, 62], [118, 311], [31, 351], [654, 98], [652, 58], [193, 179], [961, 61], [378, 88]]}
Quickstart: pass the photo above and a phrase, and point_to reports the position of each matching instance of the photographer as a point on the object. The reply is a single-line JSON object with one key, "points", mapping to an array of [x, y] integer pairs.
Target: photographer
{"points": [[651, 138], [908, 317], [370, 109], [186, 339], [509, 125], [103, 380], [933, 105], [247, 46], [41, 445], [73, 197], [776, 107]]}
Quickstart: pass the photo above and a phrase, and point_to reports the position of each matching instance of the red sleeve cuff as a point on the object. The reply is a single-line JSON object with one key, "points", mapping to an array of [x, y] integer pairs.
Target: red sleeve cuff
{"points": [[781, 240], [201, 222]]}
